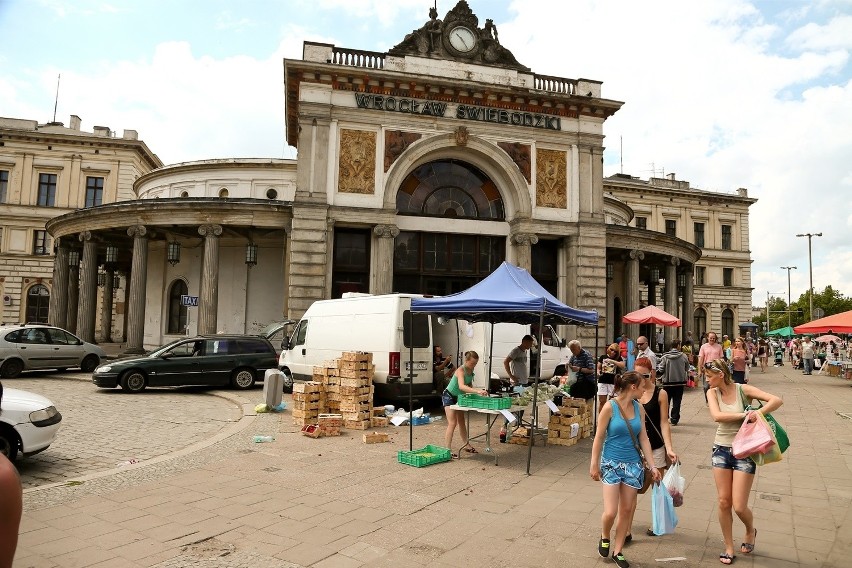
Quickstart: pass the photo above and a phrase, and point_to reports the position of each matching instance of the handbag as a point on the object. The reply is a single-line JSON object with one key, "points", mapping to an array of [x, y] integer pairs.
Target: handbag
{"points": [[779, 432], [752, 438], [646, 480]]}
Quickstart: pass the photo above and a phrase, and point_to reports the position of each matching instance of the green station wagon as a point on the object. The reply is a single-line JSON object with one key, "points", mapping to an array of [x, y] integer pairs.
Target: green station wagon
{"points": [[211, 360]]}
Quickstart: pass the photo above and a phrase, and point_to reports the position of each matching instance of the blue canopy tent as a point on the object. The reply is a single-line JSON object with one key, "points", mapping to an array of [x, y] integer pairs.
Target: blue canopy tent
{"points": [[509, 294]]}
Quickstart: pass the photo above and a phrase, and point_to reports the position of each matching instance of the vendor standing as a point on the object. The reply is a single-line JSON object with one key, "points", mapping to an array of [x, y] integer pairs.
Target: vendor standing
{"points": [[516, 364], [583, 364], [610, 364]]}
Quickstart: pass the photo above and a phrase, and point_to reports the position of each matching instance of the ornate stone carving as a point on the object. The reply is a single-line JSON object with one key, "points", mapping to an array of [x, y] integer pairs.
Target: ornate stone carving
{"points": [[386, 231], [551, 179], [85, 236], [357, 169], [675, 261], [137, 231], [525, 239], [210, 230], [461, 135], [521, 155], [636, 254], [433, 39], [397, 142]]}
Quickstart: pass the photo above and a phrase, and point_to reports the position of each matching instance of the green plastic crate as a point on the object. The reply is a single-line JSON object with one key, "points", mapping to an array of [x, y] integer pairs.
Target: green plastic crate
{"points": [[485, 402], [424, 456]]}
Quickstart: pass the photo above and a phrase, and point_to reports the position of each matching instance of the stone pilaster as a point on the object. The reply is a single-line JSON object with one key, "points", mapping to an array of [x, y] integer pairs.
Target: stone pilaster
{"points": [[689, 305], [73, 297], [590, 282], [58, 311], [309, 267], [138, 284], [208, 300], [523, 243], [88, 288], [106, 307], [383, 258], [670, 333], [631, 296]]}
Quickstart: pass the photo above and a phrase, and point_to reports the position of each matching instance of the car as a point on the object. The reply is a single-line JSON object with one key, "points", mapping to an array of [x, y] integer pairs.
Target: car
{"points": [[28, 423], [206, 360], [28, 347]]}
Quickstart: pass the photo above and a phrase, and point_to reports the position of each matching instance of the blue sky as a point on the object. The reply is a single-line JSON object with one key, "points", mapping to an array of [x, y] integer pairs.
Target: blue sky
{"points": [[725, 93]]}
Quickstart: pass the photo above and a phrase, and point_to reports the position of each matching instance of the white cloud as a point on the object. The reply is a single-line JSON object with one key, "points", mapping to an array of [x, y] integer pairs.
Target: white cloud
{"points": [[836, 34]]}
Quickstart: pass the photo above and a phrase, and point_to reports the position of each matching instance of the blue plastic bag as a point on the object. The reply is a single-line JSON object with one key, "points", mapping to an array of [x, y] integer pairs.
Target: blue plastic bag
{"points": [[663, 516]]}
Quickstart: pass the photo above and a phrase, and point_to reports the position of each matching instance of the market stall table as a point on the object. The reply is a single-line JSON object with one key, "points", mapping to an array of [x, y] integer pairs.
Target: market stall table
{"points": [[491, 417]]}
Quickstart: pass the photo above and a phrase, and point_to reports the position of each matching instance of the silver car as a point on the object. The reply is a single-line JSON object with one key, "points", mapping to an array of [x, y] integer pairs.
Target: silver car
{"points": [[37, 346]]}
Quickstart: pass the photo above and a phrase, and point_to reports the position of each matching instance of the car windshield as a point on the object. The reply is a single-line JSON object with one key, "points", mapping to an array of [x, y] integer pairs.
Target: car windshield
{"points": [[167, 347]]}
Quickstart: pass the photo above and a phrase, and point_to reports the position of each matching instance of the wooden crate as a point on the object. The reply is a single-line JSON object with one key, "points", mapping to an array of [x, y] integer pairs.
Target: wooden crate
{"points": [[356, 424], [311, 431], [303, 421], [306, 396], [355, 407], [379, 421], [302, 413], [306, 387], [376, 438], [357, 356], [355, 416], [355, 382]]}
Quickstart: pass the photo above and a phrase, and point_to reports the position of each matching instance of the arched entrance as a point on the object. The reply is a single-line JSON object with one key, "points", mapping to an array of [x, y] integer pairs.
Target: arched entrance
{"points": [[700, 321], [728, 323], [438, 262], [38, 301]]}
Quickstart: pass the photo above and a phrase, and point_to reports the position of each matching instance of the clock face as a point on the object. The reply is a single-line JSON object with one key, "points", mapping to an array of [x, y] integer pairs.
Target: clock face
{"points": [[462, 39]]}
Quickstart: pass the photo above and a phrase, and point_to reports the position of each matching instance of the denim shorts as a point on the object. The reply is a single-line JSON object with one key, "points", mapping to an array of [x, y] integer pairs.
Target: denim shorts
{"points": [[447, 399], [629, 473], [723, 457]]}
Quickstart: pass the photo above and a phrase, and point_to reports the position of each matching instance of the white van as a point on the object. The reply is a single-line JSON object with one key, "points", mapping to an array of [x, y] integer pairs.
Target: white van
{"points": [[380, 325], [457, 336]]}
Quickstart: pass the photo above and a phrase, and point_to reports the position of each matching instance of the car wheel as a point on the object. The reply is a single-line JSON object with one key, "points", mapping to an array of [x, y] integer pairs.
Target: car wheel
{"points": [[11, 368], [242, 379], [133, 381], [287, 382], [9, 443], [90, 363]]}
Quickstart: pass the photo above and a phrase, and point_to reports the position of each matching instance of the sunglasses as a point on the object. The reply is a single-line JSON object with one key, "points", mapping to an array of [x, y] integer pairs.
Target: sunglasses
{"points": [[645, 375], [641, 343], [713, 367]]}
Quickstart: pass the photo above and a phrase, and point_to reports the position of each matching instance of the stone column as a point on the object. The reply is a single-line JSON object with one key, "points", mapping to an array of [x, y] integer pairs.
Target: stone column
{"points": [[208, 301], [383, 258], [670, 333], [631, 297], [688, 305], [106, 308], [88, 288], [73, 297], [58, 311], [523, 249], [138, 284]]}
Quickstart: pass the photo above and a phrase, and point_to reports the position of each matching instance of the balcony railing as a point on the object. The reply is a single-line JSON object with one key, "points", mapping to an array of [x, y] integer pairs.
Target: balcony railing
{"points": [[358, 58], [555, 84]]}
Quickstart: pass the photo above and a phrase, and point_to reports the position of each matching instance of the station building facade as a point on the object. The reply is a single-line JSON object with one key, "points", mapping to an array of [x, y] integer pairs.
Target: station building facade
{"points": [[419, 170]]}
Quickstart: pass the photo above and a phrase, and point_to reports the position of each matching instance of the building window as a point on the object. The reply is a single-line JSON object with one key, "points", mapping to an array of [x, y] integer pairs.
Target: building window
{"points": [[727, 276], [4, 184], [545, 263], [94, 191], [223, 192], [726, 237], [641, 222], [699, 319], [700, 271], [177, 311], [671, 227], [728, 322], [699, 234], [41, 242], [38, 304], [350, 270], [271, 194], [449, 188], [46, 190]]}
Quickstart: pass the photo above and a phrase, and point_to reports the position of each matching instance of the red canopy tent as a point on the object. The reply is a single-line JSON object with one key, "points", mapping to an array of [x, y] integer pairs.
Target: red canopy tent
{"points": [[838, 323], [651, 314]]}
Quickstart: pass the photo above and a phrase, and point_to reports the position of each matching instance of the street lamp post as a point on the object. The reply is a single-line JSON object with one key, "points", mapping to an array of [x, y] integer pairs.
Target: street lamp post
{"points": [[811, 272], [788, 269]]}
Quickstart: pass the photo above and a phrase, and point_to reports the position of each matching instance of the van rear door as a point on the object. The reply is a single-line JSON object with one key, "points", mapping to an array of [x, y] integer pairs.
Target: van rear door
{"points": [[416, 334]]}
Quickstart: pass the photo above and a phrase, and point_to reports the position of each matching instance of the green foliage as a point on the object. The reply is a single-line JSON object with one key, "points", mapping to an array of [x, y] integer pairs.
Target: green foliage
{"points": [[777, 315], [830, 300]]}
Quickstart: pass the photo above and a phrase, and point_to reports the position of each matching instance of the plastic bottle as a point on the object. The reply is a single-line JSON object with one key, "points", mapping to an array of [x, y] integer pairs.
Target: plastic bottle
{"points": [[503, 435], [259, 439]]}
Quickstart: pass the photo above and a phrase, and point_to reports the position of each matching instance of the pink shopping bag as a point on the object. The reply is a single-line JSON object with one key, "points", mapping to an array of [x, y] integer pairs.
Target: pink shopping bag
{"points": [[752, 438]]}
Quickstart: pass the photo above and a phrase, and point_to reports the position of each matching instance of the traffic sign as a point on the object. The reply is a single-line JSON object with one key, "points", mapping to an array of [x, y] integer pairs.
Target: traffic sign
{"points": [[189, 301], [818, 313]]}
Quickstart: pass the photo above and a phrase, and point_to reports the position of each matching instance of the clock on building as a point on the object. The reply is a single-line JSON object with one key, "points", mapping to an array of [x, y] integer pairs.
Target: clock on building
{"points": [[462, 39]]}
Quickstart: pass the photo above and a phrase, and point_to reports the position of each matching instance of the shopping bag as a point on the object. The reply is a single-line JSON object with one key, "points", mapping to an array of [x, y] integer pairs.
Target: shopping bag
{"points": [[752, 438], [663, 516], [778, 432], [675, 484], [771, 456]]}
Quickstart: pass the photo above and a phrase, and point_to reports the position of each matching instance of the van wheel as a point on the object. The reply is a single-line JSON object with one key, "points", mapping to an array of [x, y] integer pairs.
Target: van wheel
{"points": [[11, 369], [133, 381], [242, 379], [287, 382], [9, 443]]}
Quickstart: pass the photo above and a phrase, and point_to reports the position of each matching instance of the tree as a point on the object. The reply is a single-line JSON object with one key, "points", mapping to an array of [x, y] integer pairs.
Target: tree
{"points": [[777, 315], [830, 300]]}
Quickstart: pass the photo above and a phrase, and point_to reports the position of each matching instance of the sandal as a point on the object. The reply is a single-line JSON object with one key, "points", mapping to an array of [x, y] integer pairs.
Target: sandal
{"points": [[628, 538], [748, 547], [726, 558], [650, 532], [471, 450], [454, 456]]}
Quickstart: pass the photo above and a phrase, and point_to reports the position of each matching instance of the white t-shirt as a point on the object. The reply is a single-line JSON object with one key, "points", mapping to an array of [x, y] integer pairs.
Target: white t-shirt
{"points": [[519, 365]]}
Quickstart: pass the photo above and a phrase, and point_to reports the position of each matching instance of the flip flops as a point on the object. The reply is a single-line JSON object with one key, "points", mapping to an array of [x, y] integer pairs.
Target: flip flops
{"points": [[471, 450], [748, 547], [726, 558]]}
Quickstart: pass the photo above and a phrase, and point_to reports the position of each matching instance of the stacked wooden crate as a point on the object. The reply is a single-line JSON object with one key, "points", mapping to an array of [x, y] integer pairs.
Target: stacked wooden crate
{"points": [[572, 424], [307, 398], [355, 376], [327, 375], [521, 436], [330, 424]]}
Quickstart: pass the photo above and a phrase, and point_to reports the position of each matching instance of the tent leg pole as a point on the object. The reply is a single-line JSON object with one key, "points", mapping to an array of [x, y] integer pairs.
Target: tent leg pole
{"points": [[534, 423], [597, 347], [410, 381]]}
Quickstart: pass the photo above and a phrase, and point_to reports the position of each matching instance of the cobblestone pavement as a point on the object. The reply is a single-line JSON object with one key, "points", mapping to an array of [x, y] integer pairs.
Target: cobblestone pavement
{"points": [[104, 428]]}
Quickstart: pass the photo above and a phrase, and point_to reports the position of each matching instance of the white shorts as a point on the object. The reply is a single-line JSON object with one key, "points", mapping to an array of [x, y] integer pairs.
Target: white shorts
{"points": [[605, 389]]}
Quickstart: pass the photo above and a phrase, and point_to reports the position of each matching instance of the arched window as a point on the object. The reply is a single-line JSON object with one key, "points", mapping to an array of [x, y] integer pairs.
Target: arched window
{"points": [[449, 188], [700, 319], [223, 192], [38, 300], [728, 323], [177, 311]]}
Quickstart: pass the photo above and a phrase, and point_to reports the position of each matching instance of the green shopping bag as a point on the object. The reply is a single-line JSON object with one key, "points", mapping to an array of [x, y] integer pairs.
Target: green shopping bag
{"points": [[777, 431]]}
